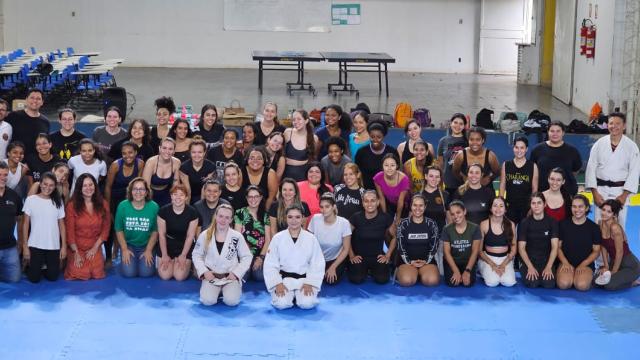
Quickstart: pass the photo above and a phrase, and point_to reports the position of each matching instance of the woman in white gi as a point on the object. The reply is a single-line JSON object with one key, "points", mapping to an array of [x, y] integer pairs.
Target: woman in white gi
{"points": [[614, 167], [294, 265], [221, 258]]}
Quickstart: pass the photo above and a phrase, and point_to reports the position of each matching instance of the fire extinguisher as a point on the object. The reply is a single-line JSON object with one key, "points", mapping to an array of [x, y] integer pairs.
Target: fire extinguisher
{"points": [[590, 49], [583, 36]]}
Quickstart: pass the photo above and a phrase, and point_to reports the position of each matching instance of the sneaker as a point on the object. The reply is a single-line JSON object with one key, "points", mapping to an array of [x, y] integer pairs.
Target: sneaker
{"points": [[604, 278]]}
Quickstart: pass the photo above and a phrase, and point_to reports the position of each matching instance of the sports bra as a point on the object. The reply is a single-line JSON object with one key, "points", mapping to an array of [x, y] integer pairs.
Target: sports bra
{"points": [[491, 239], [158, 183], [294, 154]]}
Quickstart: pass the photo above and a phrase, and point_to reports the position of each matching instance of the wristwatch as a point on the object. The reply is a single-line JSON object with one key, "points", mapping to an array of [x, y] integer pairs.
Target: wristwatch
{"points": [[467, 270]]}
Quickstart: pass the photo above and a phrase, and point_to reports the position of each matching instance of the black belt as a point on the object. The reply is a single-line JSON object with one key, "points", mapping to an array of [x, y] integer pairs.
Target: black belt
{"points": [[286, 274], [608, 183], [220, 276]]}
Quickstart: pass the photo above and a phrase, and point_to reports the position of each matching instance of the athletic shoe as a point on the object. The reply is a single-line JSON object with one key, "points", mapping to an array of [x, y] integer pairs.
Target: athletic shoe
{"points": [[604, 278]]}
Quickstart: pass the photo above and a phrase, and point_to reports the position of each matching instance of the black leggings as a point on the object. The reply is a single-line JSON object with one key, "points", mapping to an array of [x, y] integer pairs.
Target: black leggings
{"points": [[40, 257], [540, 282], [358, 272], [448, 273], [340, 269]]}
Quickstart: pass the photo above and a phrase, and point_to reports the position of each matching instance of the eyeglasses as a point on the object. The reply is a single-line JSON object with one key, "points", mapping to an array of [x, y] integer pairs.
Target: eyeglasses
{"points": [[138, 190]]}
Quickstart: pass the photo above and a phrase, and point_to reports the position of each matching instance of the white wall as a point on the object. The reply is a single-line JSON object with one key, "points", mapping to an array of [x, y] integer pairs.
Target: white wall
{"points": [[423, 35], [592, 77]]}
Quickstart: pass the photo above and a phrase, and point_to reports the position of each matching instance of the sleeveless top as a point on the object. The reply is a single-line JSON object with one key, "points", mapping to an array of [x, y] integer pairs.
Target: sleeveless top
{"points": [[263, 184], [161, 187], [120, 182], [14, 178], [294, 154], [558, 214], [417, 176], [274, 162], [406, 153], [518, 184], [610, 245], [354, 146], [491, 239], [486, 168], [182, 155]]}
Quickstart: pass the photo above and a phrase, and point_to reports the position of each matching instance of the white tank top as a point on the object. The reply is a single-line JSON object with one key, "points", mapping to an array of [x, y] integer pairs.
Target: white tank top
{"points": [[14, 178]]}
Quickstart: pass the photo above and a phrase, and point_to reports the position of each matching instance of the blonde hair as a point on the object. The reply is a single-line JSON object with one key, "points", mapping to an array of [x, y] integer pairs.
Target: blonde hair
{"points": [[356, 170], [211, 230], [464, 187], [232, 164]]}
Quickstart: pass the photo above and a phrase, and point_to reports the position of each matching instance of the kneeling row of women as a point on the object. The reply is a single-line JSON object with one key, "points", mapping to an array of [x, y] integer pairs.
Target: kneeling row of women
{"points": [[551, 253]]}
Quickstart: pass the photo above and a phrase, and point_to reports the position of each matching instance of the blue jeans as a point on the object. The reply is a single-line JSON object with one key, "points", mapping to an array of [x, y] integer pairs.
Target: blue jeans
{"points": [[137, 267], [9, 265]]}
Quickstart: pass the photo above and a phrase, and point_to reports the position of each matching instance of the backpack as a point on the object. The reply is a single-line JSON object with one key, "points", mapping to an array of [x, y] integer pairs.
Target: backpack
{"points": [[537, 122], [578, 127], [386, 119], [483, 119], [402, 114], [509, 123], [423, 116]]}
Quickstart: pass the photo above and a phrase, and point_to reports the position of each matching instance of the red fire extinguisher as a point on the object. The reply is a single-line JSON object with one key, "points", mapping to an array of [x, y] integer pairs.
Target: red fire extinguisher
{"points": [[590, 49], [583, 36]]}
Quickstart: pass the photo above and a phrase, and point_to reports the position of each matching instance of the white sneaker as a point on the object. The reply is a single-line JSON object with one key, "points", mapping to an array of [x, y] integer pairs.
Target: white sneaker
{"points": [[604, 278]]}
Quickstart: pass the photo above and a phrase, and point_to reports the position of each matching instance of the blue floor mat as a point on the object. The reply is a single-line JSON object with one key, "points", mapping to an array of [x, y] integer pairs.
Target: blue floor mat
{"points": [[119, 318]]}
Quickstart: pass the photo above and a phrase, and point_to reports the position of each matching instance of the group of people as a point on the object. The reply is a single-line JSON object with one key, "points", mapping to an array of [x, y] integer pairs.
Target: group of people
{"points": [[304, 206]]}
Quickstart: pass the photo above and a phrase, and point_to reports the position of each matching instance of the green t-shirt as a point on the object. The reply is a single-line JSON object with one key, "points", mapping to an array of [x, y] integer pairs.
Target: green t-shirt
{"points": [[137, 225], [461, 243]]}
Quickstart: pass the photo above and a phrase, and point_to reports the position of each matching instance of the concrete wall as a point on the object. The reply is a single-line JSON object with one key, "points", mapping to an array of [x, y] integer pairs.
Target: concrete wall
{"points": [[424, 35]]}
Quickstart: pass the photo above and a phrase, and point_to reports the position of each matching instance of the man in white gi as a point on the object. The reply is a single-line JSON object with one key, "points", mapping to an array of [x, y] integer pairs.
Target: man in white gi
{"points": [[614, 167], [294, 265]]}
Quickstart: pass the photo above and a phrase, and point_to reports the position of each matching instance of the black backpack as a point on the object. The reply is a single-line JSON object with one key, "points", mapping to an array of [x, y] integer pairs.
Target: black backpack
{"points": [[483, 119]]}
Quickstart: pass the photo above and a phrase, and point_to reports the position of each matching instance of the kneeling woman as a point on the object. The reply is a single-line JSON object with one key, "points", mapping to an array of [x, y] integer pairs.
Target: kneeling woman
{"points": [[370, 229], [537, 245], [87, 222], [623, 267], [294, 265], [461, 241], [579, 247], [221, 258], [498, 247], [177, 224], [418, 239], [136, 230], [334, 235]]}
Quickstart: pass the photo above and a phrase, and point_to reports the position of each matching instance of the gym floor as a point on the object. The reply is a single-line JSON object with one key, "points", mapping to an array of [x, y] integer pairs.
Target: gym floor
{"points": [[442, 94], [119, 318]]}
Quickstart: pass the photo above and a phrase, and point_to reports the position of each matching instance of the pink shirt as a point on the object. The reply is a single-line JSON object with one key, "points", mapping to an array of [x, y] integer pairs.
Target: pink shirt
{"points": [[391, 193], [310, 196]]}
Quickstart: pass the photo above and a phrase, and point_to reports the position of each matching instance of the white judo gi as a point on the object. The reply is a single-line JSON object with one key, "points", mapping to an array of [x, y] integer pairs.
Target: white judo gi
{"points": [[623, 164], [235, 258], [304, 257]]}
